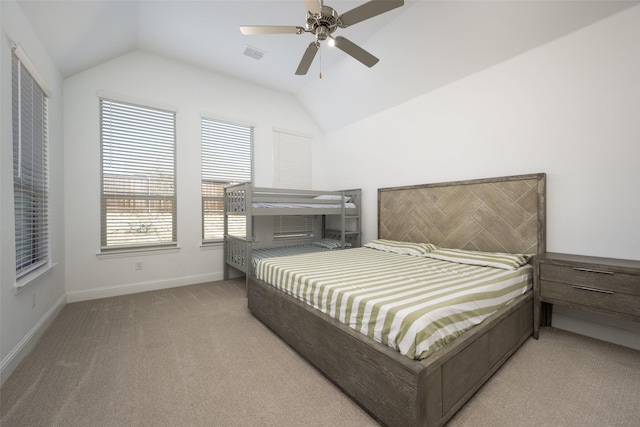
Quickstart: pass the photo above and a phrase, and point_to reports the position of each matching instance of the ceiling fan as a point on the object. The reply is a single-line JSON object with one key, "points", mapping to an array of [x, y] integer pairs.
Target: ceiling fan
{"points": [[322, 21]]}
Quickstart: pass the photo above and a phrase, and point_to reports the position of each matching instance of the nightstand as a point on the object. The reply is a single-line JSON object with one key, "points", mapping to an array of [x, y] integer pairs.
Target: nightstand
{"points": [[603, 285]]}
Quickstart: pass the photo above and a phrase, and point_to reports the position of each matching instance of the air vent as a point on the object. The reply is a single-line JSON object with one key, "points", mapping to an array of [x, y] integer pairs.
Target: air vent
{"points": [[254, 52]]}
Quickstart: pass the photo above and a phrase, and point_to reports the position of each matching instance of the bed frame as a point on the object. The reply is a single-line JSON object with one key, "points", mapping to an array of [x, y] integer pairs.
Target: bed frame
{"points": [[497, 214], [337, 221]]}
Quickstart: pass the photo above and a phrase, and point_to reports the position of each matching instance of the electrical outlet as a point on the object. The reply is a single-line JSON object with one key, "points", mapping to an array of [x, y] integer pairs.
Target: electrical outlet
{"points": [[139, 265]]}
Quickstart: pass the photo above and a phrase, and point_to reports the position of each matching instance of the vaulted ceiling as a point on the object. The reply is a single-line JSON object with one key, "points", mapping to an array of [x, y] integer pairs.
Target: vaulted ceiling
{"points": [[422, 45]]}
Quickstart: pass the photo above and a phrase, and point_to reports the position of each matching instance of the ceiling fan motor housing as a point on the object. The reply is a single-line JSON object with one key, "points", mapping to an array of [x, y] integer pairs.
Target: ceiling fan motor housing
{"points": [[324, 23]]}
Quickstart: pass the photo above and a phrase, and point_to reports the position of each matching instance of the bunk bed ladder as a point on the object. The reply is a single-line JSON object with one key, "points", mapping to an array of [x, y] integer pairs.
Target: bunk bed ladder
{"points": [[248, 206]]}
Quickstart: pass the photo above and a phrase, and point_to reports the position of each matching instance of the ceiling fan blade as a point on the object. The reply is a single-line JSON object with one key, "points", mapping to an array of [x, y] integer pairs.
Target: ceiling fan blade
{"points": [[356, 51], [313, 6], [368, 10], [307, 58], [270, 29]]}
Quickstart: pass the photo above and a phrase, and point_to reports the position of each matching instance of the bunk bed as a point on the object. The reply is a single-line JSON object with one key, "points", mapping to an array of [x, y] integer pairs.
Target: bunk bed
{"points": [[335, 216], [505, 214]]}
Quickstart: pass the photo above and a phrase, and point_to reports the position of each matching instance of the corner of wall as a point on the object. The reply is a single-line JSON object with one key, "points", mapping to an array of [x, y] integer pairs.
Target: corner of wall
{"points": [[15, 356]]}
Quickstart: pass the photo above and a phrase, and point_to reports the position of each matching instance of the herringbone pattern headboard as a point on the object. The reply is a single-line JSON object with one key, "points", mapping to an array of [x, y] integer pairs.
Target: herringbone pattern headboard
{"points": [[505, 214]]}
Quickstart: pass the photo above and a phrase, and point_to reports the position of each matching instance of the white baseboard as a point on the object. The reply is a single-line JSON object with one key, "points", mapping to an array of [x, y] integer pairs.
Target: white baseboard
{"points": [[15, 356], [616, 331], [134, 288]]}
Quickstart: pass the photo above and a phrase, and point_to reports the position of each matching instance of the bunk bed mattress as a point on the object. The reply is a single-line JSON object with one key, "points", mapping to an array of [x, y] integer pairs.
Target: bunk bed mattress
{"points": [[413, 304], [271, 205]]}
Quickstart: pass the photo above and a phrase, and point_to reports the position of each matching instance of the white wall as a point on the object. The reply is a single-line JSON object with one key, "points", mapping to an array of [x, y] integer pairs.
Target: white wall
{"points": [[21, 322], [569, 108], [155, 81]]}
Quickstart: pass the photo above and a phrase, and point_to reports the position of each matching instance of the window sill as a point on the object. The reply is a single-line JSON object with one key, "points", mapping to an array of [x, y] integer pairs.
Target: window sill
{"points": [[31, 277], [130, 252], [211, 245]]}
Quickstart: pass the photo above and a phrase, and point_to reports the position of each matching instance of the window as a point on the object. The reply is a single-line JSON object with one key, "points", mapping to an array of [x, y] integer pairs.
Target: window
{"points": [[292, 169], [227, 158], [292, 226], [292, 161], [138, 206], [30, 169]]}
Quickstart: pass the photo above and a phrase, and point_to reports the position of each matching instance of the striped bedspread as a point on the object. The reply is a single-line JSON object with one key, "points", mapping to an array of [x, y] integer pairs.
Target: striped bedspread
{"points": [[413, 304], [259, 254]]}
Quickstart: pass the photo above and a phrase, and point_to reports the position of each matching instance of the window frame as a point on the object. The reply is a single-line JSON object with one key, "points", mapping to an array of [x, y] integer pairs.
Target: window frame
{"points": [[30, 169], [164, 188], [221, 131], [292, 168]]}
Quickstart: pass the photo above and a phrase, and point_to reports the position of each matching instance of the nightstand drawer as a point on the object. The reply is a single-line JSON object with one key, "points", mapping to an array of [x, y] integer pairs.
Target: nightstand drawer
{"points": [[596, 297], [603, 279]]}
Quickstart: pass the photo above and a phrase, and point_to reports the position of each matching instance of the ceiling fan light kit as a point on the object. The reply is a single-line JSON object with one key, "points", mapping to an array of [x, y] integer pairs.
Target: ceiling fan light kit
{"points": [[322, 21]]}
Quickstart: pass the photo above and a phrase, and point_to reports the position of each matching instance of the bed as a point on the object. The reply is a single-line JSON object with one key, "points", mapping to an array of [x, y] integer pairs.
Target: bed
{"points": [[505, 214], [335, 216]]}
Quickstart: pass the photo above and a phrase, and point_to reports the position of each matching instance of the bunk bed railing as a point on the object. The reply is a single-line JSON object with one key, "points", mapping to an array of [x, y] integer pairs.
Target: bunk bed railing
{"points": [[243, 199], [246, 201], [236, 197], [237, 252]]}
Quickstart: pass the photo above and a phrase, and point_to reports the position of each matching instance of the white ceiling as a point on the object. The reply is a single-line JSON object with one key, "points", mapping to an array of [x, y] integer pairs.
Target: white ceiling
{"points": [[422, 45]]}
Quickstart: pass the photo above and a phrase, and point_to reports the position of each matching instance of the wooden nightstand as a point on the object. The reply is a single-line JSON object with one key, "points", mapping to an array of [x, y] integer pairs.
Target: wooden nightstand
{"points": [[603, 285]]}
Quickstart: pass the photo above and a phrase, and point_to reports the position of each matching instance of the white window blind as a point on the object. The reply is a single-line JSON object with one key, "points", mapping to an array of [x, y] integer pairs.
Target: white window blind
{"points": [[292, 226], [138, 176], [292, 161], [30, 170], [227, 158], [292, 169]]}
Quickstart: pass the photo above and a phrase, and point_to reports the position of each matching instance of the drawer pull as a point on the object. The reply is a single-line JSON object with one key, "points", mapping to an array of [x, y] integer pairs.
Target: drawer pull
{"points": [[591, 270], [587, 288]]}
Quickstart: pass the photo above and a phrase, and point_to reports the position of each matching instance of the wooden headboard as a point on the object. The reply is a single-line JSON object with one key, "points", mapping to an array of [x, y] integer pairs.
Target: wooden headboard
{"points": [[504, 214]]}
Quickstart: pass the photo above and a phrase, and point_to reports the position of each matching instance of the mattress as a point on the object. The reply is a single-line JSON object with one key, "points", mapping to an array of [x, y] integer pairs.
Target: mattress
{"points": [[413, 304], [272, 205]]}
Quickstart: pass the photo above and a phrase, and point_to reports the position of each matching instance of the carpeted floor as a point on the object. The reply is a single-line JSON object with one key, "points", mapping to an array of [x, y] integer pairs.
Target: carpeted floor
{"points": [[194, 356]]}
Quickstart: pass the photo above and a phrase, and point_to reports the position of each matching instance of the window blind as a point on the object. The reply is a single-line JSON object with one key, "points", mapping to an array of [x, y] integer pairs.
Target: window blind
{"points": [[227, 158], [292, 161], [291, 226], [292, 169], [30, 170], [138, 206]]}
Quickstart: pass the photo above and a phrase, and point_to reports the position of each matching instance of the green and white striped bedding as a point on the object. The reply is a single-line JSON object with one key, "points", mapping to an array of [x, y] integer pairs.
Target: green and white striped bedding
{"points": [[412, 304]]}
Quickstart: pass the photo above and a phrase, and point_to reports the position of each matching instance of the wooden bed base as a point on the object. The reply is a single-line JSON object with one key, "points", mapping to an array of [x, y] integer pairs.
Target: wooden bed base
{"points": [[505, 214], [395, 390]]}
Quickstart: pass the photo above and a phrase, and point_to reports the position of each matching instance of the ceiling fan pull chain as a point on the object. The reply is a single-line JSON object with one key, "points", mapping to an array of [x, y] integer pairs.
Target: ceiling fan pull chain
{"points": [[320, 59]]}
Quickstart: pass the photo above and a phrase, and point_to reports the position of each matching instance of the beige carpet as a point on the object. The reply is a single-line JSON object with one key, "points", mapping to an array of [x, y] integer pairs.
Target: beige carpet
{"points": [[194, 356]]}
